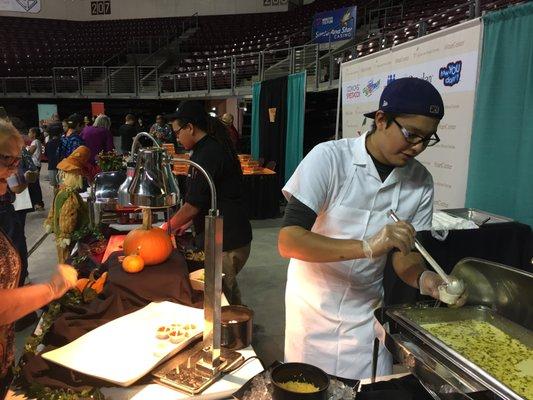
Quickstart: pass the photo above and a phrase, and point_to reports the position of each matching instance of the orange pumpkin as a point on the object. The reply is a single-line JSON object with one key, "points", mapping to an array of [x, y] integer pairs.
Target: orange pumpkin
{"points": [[153, 245], [133, 264]]}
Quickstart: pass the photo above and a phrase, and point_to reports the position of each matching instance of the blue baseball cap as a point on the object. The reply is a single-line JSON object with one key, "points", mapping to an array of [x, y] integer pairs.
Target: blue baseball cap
{"points": [[410, 96]]}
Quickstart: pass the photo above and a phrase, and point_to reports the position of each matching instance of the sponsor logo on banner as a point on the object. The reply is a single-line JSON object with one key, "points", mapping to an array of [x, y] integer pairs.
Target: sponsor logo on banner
{"points": [[390, 78], [371, 87], [352, 92], [447, 127], [334, 25], [442, 165], [451, 74]]}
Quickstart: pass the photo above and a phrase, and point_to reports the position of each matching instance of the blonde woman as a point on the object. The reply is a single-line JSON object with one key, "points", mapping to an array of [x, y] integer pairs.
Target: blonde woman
{"points": [[16, 302], [98, 137]]}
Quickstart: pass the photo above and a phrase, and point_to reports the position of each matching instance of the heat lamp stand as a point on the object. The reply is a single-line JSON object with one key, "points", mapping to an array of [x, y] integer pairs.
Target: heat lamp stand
{"points": [[204, 366]]}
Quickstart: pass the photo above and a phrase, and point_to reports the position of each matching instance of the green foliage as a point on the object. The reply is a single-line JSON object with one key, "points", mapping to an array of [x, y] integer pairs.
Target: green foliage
{"points": [[40, 392], [110, 161]]}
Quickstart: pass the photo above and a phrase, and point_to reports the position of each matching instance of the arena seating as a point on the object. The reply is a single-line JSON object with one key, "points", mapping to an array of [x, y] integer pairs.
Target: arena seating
{"points": [[31, 47], [401, 23]]}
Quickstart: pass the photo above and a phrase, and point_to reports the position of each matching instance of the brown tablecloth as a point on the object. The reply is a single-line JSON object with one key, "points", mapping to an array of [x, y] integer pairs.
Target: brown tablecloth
{"points": [[124, 293]]}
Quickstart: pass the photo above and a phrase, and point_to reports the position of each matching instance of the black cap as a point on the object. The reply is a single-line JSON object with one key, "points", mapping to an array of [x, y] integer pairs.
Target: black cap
{"points": [[189, 111], [410, 96], [75, 120]]}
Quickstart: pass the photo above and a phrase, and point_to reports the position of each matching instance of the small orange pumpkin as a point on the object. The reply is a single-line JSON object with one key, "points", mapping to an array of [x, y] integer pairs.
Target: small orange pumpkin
{"points": [[133, 263]]}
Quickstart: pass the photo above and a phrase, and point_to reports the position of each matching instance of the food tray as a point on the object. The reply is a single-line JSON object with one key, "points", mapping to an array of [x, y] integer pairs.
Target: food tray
{"points": [[125, 349], [477, 216], [414, 318]]}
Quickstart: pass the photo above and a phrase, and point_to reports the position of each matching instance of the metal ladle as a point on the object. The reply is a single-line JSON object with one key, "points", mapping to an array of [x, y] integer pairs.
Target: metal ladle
{"points": [[454, 286]]}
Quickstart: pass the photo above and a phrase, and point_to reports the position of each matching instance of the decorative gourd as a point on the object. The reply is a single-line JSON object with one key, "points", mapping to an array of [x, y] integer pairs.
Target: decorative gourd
{"points": [[133, 263], [151, 243], [82, 284], [98, 286], [90, 283]]}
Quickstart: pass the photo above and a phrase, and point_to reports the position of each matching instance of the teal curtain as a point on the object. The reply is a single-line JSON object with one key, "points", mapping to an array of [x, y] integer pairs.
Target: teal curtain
{"points": [[500, 178], [295, 122], [256, 92]]}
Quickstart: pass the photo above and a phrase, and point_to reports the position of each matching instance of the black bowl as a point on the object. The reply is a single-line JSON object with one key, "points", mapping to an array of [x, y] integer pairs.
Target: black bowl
{"points": [[299, 372]]}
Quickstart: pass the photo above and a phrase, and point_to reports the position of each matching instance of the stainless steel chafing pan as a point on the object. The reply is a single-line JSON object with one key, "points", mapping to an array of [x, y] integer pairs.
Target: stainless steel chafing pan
{"points": [[500, 295]]}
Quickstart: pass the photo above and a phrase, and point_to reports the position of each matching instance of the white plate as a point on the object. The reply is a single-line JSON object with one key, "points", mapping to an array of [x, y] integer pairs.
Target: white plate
{"points": [[124, 350]]}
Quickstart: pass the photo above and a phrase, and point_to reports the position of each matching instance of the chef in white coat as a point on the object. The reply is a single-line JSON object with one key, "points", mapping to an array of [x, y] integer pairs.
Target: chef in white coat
{"points": [[337, 233]]}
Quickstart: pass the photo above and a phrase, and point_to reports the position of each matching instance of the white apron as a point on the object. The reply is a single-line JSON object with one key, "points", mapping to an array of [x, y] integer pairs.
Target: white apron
{"points": [[329, 306]]}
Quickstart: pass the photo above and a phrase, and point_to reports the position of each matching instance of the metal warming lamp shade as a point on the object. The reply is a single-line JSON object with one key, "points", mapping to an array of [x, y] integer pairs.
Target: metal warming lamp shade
{"points": [[150, 184]]}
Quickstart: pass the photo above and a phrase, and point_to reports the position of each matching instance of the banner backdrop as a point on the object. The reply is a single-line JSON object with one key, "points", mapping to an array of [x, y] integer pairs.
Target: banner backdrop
{"points": [[340, 22], [24, 6], [45, 111], [449, 60]]}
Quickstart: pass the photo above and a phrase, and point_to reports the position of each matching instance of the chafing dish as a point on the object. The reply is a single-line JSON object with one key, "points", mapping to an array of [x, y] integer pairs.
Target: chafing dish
{"points": [[103, 200], [499, 294], [477, 216]]}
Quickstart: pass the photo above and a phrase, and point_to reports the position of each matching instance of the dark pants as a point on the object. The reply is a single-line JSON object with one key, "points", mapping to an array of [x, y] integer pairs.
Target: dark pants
{"points": [[36, 194], [12, 223], [232, 263]]}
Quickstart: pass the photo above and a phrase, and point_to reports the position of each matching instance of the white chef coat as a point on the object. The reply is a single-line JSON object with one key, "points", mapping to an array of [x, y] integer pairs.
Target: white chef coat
{"points": [[329, 306]]}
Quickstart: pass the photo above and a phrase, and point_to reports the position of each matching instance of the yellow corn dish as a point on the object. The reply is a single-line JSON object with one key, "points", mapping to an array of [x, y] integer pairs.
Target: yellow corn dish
{"points": [[505, 358], [299, 387]]}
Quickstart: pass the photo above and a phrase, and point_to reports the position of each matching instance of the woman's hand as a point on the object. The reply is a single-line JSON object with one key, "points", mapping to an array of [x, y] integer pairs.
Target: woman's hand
{"points": [[64, 279]]}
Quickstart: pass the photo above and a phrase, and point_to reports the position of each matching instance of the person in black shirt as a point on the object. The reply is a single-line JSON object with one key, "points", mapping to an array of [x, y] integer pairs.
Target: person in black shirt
{"points": [[127, 132], [211, 147]]}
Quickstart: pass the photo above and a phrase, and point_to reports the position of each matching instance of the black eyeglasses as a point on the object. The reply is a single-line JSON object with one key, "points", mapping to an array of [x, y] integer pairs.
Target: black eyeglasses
{"points": [[10, 161], [414, 139]]}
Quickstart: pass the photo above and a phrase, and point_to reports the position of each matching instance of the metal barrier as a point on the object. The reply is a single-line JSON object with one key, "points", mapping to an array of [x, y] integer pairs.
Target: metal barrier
{"points": [[275, 63], [66, 80], [148, 80], [41, 84], [122, 80], [199, 81], [94, 80], [247, 69], [220, 73], [16, 85]]}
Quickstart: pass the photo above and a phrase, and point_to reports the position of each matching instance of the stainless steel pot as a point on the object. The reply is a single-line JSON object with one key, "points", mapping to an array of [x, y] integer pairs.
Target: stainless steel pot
{"points": [[237, 322]]}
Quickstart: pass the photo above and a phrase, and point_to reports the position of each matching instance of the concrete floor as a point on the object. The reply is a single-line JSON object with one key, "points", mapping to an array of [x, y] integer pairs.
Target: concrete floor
{"points": [[262, 281]]}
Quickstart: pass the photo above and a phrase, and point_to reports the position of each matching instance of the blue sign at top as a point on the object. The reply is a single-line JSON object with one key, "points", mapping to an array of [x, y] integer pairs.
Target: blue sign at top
{"points": [[340, 24]]}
